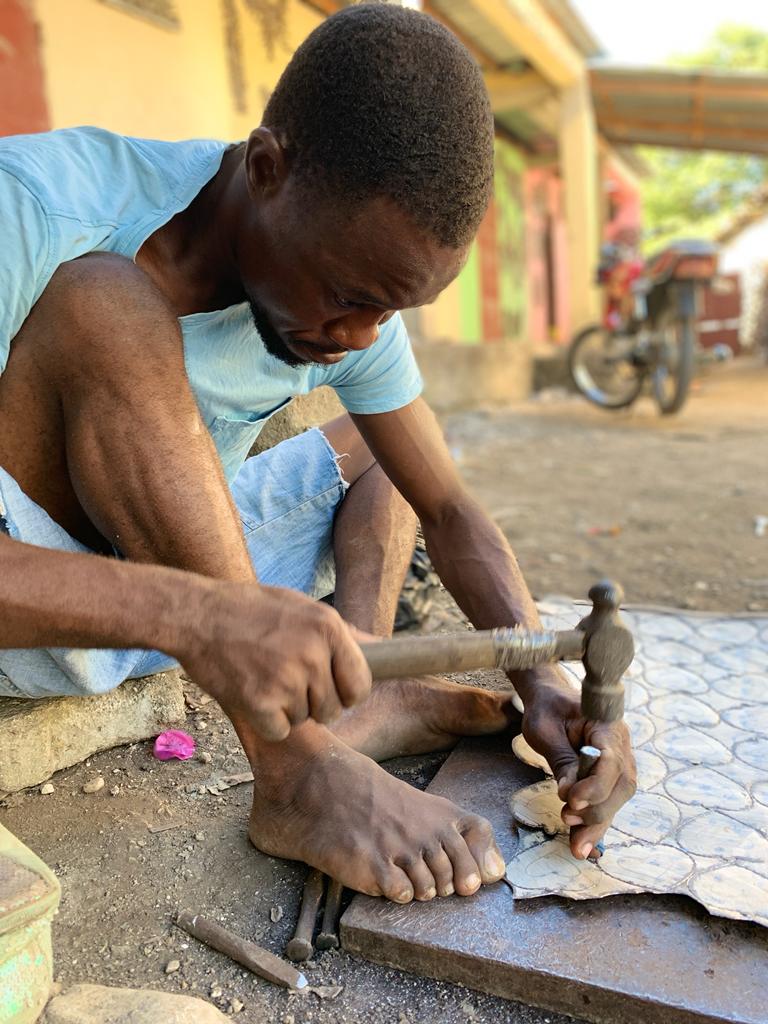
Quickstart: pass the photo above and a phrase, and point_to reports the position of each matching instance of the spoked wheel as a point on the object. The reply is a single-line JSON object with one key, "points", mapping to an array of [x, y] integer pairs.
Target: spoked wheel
{"points": [[605, 367], [672, 374]]}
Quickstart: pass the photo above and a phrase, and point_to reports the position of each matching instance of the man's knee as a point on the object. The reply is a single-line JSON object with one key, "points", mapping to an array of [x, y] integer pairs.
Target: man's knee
{"points": [[99, 317]]}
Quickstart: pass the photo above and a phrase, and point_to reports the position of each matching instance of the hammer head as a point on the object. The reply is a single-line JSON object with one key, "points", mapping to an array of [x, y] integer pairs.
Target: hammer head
{"points": [[608, 653]]}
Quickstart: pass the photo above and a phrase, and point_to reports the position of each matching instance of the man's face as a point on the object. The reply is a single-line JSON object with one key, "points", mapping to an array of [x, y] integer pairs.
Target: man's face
{"points": [[334, 273]]}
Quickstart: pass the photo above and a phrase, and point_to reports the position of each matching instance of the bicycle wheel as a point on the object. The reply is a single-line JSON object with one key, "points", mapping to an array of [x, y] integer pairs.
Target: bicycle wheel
{"points": [[673, 371], [604, 367]]}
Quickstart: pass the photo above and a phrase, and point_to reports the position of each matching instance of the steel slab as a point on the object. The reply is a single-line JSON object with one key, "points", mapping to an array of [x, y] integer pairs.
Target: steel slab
{"points": [[622, 960]]}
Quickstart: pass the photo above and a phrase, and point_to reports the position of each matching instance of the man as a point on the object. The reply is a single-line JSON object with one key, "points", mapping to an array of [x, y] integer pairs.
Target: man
{"points": [[132, 275]]}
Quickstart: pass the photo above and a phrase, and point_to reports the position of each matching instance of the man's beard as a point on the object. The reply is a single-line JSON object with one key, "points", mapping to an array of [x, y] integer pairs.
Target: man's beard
{"points": [[273, 343]]}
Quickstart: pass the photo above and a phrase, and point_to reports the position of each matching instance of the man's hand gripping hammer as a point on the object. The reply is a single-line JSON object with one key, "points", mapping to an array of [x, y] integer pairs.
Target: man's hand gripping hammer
{"points": [[601, 641]]}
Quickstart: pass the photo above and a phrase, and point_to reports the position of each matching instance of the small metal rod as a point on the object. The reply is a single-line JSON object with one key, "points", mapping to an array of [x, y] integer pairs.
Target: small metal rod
{"points": [[588, 758], [329, 930], [300, 946], [256, 959]]}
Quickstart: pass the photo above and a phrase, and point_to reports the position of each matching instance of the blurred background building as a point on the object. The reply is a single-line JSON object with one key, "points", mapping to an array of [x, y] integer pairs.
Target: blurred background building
{"points": [[566, 175]]}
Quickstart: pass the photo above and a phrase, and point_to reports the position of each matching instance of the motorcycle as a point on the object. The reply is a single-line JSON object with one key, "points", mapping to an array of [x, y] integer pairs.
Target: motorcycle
{"points": [[648, 334]]}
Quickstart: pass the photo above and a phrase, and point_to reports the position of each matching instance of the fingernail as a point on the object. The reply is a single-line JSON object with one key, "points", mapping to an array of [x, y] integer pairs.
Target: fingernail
{"points": [[429, 894], [580, 805], [405, 896], [584, 851], [448, 890], [472, 882], [598, 849], [494, 865], [573, 819]]}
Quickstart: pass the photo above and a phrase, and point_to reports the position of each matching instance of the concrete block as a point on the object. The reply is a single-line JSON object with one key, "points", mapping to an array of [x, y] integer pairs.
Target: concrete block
{"points": [[95, 1004], [40, 737], [305, 411], [460, 376], [29, 897]]}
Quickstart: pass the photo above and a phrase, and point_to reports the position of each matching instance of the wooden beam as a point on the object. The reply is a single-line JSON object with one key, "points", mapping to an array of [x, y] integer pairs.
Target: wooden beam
{"points": [[617, 126], [603, 85], [483, 59], [525, 26], [639, 139], [510, 91]]}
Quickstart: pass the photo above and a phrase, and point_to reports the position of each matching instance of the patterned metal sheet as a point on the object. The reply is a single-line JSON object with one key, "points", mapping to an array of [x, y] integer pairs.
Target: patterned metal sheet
{"points": [[698, 712]]}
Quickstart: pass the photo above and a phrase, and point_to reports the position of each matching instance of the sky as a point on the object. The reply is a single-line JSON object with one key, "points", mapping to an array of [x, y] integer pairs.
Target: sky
{"points": [[650, 31]]}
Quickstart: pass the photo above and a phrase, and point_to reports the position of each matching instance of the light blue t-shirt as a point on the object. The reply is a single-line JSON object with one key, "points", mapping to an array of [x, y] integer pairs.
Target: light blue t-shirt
{"points": [[79, 190]]}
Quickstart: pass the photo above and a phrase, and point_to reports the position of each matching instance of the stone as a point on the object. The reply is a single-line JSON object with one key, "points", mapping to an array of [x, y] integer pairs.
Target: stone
{"points": [[40, 737], [94, 785], [46, 789], [303, 412], [172, 966], [95, 1004]]}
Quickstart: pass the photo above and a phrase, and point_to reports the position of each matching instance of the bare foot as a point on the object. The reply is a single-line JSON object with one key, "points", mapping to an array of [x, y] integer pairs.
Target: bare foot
{"points": [[417, 716], [318, 801]]}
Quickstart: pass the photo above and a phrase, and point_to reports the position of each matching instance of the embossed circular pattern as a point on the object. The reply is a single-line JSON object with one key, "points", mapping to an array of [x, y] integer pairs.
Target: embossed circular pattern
{"points": [[678, 680], [684, 710], [640, 727], [649, 817], [659, 869], [691, 745], [729, 631], [733, 891], [704, 787], [750, 719], [699, 822], [749, 686], [753, 752]]}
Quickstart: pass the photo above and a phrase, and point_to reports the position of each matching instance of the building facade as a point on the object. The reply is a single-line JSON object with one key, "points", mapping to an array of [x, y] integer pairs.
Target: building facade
{"points": [[175, 69]]}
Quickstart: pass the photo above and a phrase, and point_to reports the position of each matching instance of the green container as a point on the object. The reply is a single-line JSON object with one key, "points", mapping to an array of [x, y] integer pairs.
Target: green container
{"points": [[29, 897]]}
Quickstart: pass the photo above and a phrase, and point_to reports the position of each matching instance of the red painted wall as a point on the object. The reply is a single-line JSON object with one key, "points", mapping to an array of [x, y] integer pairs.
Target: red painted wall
{"points": [[546, 256], [23, 105], [488, 249], [623, 221]]}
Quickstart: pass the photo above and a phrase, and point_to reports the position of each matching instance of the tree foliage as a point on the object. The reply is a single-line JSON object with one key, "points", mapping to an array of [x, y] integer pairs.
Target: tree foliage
{"points": [[695, 194]]}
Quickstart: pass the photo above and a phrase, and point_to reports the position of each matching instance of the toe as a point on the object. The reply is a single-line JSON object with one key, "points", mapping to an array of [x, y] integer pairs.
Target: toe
{"points": [[478, 835], [395, 884], [466, 872], [421, 878], [439, 863]]}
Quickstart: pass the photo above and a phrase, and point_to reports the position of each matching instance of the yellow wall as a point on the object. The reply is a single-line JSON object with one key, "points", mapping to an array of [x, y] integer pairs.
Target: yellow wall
{"points": [[108, 67]]}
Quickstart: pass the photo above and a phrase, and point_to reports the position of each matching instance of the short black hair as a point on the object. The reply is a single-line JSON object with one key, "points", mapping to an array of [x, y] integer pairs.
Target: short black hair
{"points": [[381, 100]]}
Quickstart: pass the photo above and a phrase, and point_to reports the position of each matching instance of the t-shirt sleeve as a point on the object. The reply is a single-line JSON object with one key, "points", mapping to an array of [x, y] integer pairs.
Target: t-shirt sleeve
{"points": [[383, 377], [25, 256]]}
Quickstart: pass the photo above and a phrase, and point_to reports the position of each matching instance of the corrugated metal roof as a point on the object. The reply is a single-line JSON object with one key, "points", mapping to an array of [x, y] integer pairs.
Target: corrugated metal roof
{"points": [[687, 109], [478, 30]]}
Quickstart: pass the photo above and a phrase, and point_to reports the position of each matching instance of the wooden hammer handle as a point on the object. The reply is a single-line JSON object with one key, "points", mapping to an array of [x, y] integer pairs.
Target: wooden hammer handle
{"points": [[462, 652]]}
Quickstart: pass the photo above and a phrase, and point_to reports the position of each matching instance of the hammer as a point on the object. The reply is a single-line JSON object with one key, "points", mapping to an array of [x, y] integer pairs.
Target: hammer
{"points": [[601, 641]]}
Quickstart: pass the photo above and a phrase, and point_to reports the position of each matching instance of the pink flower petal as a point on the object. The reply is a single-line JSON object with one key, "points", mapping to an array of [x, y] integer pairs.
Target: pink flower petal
{"points": [[174, 743]]}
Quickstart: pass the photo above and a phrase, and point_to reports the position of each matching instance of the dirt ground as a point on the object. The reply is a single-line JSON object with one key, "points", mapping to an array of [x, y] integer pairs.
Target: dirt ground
{"points": [[667, 507]]}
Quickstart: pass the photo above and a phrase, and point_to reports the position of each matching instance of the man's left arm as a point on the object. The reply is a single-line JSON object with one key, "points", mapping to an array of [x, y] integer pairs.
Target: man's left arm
{"points": [[479, 569]]}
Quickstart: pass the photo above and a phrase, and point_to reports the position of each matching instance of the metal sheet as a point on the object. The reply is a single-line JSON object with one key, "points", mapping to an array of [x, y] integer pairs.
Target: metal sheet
{"points": [[622, 960]]}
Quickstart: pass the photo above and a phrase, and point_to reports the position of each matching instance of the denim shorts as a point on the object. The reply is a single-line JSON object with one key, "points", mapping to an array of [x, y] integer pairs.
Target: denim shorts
{"points": [[287, 498]]}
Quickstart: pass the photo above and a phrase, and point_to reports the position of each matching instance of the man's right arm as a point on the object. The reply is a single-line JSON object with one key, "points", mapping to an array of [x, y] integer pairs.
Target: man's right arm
{"points": [[229, 636]]}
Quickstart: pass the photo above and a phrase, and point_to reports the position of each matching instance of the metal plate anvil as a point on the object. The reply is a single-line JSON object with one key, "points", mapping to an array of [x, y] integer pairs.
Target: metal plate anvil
{"points": [[622, 960]]}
